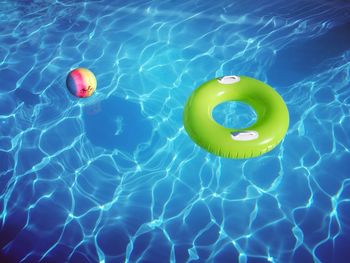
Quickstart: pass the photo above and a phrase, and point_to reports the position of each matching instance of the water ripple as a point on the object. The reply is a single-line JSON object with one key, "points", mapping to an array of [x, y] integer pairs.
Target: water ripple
{"points": [[115, 178]]}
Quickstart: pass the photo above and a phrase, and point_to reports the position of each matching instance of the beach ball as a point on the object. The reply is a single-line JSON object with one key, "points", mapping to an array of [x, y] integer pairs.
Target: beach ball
{"points": [[81, 82]]}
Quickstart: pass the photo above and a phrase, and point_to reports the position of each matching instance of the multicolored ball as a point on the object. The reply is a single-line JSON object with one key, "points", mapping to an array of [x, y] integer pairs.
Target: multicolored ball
{"points": [[81, 82]]}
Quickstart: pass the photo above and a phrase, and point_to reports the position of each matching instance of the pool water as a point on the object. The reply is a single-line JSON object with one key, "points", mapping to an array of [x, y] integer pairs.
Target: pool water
{"points": [[116, 178], [234, 115]]}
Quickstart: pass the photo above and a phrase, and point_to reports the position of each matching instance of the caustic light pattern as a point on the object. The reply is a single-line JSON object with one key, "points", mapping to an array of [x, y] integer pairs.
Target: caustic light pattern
{"points": [[115, 177]]}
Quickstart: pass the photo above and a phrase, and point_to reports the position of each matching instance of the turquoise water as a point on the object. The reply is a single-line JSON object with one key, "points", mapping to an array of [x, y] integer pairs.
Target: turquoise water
{"points": [[115, 178]]}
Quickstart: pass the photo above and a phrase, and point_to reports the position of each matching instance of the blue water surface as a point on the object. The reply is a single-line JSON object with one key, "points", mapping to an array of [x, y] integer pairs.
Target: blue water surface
{"points": [[116, 178]]}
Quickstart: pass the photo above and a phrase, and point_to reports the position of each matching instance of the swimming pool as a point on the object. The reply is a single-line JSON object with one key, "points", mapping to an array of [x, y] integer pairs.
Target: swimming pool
{"points": [[115, 178]]}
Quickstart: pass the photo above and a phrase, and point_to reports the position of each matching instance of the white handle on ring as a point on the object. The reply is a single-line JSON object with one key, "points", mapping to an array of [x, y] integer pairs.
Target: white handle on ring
{"points": [[229, 79], [245, 135]]}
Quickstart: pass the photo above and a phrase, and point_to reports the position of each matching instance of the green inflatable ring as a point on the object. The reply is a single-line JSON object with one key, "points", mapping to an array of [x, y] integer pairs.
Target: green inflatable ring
{"points": [[266, 133]]}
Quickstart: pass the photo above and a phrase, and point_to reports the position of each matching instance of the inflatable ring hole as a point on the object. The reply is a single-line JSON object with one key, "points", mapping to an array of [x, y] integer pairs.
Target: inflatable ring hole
{"points": [[234, 115]]}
